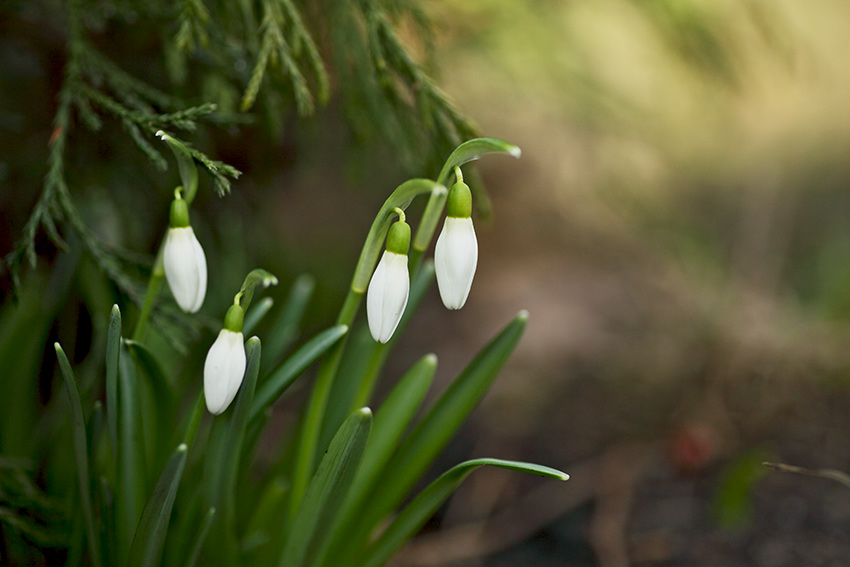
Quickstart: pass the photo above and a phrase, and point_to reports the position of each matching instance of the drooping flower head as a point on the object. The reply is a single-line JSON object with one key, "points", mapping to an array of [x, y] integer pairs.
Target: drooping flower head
{"points": [[183, 259], [224, 368], [456, 252], [389, 288]]}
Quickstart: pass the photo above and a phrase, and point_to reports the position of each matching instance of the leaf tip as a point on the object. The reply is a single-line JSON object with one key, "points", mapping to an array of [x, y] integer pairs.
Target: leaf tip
{"points": [[430, 359], [116, 310], [522, 316], [57, 347], [365, 412], [182, 448], [515, 151]]}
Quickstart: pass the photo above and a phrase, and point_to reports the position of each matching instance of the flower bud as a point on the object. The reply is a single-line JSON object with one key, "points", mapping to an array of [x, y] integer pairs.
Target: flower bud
{"points": [[224, 368], [389, 288], [184, 261], [456, 252]]}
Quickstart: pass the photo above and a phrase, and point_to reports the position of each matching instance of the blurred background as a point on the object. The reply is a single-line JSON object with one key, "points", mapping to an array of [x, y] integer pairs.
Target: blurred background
{"points": [[678, 228]]}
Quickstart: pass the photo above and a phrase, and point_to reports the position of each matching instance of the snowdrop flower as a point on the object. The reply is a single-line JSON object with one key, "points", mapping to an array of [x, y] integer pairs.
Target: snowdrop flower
{"points": [[224, 367], [389, 288], [183, 259], [456, 252]]}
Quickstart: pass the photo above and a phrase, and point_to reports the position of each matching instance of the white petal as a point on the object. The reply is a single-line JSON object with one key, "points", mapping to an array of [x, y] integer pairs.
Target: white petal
{"points": [[224, 370], [455, 260], [387, 295], [185, 268]]}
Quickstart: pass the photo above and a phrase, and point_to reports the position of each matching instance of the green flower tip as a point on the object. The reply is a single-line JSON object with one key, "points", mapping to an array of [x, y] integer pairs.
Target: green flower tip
{"points": [[398, 239], [178, 215], [460, 201], [234, 318]]}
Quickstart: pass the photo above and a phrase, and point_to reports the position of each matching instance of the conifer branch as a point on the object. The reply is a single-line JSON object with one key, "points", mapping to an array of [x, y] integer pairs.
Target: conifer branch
{"points": [[283, 38]]}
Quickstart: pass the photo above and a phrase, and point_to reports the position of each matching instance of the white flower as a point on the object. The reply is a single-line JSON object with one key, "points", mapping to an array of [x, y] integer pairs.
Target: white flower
{"points": [[387, 295], [185, 268], [224, 370], [455, 260]]}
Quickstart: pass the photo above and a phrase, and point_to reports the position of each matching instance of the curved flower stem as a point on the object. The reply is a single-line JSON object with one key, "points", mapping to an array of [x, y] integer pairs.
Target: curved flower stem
{"points": [[399, 199]]}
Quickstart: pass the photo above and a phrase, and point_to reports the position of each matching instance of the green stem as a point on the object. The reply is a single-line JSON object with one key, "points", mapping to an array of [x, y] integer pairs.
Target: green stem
{"points": [[154, 283], [367, 384]]}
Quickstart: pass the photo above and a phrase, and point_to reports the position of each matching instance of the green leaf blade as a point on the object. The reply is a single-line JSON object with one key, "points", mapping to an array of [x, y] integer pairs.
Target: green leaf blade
{"points": [[149, 538], [285, 328], [443, 419], [391, 421], [327, 489], [113, 348], [426, 503], [293, 367], [132, 462], [80, 451]]}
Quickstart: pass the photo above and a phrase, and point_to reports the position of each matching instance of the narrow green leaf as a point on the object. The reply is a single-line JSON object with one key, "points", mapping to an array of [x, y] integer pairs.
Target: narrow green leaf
{"points": [[107, 521], [391, 421], [132, 463], [426, 503], [236, 435], [202, 535], [393, 418], [327, 489], [149, 539], [431, 435], [113, 348], [160, 405], [80, 452], [472, 150], [293, 367], [263, 527], [255, 315], [286, 327], [94, 429]]}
